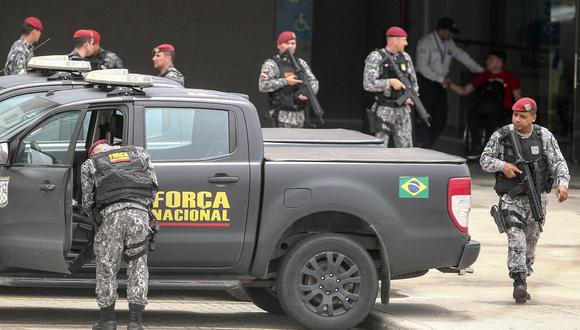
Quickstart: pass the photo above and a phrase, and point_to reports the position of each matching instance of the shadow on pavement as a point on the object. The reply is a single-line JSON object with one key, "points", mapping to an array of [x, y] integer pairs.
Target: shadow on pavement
{"points": [[54, 308], [44, 317], [418, 310]]}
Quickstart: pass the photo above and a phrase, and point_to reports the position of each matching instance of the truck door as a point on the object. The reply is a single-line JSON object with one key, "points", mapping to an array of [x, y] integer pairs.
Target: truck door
{"points": [[201, 161], [35, 195]]}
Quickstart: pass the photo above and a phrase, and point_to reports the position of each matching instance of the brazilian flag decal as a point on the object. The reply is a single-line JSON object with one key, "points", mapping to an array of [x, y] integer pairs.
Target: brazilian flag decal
{"points": [[413, 187]]}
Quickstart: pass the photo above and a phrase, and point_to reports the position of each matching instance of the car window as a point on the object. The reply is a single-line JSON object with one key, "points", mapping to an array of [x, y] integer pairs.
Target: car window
{"points": [[18, 110], [48, 143], [186, 134]]}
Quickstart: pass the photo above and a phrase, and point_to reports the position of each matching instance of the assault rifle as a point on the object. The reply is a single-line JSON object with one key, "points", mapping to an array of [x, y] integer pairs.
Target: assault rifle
{"points": [[312, 100], [526, 184], [409, 92]]}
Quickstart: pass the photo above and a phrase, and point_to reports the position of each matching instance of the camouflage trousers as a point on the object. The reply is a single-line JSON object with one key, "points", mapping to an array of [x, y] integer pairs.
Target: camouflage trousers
{"points": [[395, 122], [291, 119], [120, 229], [522, 241]]}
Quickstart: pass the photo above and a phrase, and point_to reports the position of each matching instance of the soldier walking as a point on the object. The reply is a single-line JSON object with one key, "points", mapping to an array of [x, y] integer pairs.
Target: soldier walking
{"points": [[22, 49], [539, 146], [163, 58], [102, 58], [119, 185], [278, 79], [379, 78]]}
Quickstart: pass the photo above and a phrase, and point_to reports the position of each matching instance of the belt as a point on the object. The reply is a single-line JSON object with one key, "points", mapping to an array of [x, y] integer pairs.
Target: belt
{"points": [[388, 103]]}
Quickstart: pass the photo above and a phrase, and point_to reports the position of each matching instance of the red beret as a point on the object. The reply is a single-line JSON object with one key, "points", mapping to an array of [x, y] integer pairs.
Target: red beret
{"points": [[286, 36], [164, 48], [96, 36], [94, 145], [34, 22], [395, 31], [83, 34], [525, 104]]}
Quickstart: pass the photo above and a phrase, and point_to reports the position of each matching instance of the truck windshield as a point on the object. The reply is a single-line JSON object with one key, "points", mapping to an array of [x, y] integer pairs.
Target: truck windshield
{"points": [[19, 110]]}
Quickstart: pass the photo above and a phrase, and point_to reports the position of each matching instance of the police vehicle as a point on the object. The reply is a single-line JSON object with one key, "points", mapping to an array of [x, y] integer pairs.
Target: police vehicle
{"points": [[308, 230]]}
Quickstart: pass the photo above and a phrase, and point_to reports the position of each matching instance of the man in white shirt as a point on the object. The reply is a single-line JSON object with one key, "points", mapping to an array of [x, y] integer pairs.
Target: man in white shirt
{"points": [[435, 51]]}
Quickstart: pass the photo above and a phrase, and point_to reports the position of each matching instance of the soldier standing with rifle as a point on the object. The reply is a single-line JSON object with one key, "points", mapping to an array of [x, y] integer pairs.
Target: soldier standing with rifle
{"points": [[524, 157], [287, 94], [381, 77]]}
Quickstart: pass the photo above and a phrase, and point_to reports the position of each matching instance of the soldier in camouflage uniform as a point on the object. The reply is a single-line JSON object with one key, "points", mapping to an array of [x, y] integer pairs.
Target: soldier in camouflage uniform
{"points": [[118, 185], [278, 79], [84, 45], [22, 49], [102, 58], [163, 57], [392, 119], [538, 146]]}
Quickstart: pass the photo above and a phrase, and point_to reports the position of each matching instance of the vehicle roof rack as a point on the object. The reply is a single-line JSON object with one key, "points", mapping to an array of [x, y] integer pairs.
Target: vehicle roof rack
{"points": [[63, 75], [58, 63], [126, 91]]}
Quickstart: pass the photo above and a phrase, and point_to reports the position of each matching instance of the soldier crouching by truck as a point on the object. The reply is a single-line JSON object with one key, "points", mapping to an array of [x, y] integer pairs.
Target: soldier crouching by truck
{"points": [[285, 94], [119, 185], [524, 157]]}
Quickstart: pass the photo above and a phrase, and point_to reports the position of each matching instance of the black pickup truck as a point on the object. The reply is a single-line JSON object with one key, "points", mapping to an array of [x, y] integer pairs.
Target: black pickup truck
{"points": [[308, 230]]}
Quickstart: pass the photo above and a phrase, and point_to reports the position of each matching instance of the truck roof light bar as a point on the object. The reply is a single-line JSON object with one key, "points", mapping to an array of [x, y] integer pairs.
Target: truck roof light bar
{"points": [[58, 63], [118, 77]]}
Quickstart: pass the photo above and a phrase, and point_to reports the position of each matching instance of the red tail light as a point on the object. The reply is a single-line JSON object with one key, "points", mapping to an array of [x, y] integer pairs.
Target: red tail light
{"points": [[459, 202]]}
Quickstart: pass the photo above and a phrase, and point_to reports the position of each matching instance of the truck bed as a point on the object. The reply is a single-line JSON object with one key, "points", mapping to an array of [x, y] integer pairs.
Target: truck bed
{"points": [[354, 154], [327, 137]]}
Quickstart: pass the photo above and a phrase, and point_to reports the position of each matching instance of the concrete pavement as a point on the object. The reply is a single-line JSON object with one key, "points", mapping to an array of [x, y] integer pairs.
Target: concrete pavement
{"points": [[57, 309], [483, 300]]}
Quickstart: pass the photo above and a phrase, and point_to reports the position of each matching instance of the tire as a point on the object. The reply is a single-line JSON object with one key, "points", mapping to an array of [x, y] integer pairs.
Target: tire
{"points": [[319, 296], [266, 299]]}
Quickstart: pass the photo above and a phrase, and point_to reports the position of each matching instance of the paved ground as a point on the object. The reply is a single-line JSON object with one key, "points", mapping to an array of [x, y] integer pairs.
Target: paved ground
{"points": [[483, 300], [24, 308]]}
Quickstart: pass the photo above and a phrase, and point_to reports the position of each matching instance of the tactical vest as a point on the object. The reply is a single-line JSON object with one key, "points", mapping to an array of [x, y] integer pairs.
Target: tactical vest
{"points": [[285, 97], [492, 91], [121, 176], [387, 72], [532, 151], [98, 59]]}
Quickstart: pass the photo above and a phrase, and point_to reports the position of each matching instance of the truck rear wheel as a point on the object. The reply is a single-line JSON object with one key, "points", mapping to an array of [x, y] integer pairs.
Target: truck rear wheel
{"points": [[266, 299], [327, 281]]}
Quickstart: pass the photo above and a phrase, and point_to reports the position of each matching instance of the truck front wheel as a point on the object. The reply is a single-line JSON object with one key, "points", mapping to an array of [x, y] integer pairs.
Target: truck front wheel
{"points": [[327, 281]]}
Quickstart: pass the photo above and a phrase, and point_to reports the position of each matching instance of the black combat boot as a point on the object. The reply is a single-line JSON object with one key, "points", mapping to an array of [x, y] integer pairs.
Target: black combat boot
{"points": [[107, 321], [135, 311], [520, 288]]}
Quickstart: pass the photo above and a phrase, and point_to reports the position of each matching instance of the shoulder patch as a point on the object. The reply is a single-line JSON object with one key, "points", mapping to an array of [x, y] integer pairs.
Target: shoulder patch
{"points": [[119, 157]]}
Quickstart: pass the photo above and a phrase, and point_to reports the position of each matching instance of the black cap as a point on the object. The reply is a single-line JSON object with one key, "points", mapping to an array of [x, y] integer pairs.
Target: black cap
{"points": [[447, 24]]}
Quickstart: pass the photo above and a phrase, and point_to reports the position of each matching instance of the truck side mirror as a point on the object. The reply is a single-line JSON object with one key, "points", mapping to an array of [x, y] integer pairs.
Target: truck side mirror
{"points": [[4, 152]]}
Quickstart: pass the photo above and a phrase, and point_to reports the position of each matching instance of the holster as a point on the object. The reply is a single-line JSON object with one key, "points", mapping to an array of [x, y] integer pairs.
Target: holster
{"points": [[96, 215], [498, 218], [372, 117], [154, 226]]}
